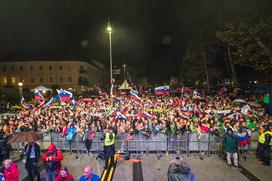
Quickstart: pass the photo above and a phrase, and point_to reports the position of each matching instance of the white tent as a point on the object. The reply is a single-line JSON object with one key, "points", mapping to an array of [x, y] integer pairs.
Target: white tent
{"points": [[42, 89], [125, 86]]}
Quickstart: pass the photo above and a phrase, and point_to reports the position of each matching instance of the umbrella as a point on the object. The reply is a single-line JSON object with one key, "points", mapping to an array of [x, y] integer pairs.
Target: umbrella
{"points": [[239, 101], [28, 136], [254, 104]]}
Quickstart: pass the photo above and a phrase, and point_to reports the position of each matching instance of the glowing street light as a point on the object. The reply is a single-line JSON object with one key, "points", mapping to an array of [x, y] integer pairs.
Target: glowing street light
{"points": [[20, 84]]}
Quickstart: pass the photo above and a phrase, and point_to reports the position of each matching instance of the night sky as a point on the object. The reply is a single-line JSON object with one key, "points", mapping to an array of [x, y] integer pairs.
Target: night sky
{"points": [[148, 35]]}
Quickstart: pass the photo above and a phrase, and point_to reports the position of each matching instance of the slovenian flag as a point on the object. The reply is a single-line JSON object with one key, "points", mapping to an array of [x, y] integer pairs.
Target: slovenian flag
{"points": [[38, 96], [24, 103], [162, 90], [146, 115], [65, 96], [49, 103], [134, 95], [121, 116]]}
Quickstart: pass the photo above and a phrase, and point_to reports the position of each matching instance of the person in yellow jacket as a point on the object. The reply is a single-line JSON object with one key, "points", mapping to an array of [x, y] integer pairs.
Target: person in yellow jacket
{"points": [[267, 146], [109, 150], [260, 146]]}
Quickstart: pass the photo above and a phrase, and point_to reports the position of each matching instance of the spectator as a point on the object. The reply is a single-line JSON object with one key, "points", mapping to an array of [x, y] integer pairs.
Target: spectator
{"points": [[88, 175], [267, 146], [64, 175], [32, 152], [2, 178], [230, 143], [52, 159], [11, 172], [71, 132], [4, 148], [88, 138]]}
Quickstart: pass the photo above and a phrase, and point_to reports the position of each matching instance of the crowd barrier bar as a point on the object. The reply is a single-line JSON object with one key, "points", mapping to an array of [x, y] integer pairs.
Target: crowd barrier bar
{"points": [[160, 143]]}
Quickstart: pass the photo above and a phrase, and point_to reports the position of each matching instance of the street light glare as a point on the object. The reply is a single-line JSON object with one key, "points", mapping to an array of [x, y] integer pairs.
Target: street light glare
{"points": [[20, 84], [109, 29]]}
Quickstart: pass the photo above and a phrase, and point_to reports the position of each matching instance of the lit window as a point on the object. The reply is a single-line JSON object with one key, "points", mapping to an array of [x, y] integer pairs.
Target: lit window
{"points": [[13, 80], [5, 80]]}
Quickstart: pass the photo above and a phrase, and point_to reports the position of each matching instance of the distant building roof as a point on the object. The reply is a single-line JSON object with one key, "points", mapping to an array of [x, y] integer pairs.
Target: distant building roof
{"points": [[50, 56]]}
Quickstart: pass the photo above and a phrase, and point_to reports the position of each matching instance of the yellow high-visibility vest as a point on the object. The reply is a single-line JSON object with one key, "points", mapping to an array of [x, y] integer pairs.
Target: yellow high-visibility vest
{"points": [[261, 138], [108, 141]]}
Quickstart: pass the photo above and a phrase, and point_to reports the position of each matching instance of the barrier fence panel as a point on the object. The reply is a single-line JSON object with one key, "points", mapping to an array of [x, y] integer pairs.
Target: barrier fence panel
{"points": [[158, 143]]}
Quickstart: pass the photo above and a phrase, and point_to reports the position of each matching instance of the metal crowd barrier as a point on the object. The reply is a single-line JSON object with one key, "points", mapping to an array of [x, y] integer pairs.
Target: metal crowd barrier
{"points": [[159, 143]]}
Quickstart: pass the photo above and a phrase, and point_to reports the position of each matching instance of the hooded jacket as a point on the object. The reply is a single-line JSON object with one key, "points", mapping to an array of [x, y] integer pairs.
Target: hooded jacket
{"points": [[56, 158], [12, 173], [69, 177]]}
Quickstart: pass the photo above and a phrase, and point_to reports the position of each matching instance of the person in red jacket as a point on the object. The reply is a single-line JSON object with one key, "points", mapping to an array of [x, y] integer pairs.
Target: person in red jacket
{"points": [[11, 172], [52, 159], [65, 175]]}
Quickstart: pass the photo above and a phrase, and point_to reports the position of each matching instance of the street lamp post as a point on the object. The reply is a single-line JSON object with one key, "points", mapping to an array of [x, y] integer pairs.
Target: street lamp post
{"points": [[20, 84], [109, 29], [124, 72]]}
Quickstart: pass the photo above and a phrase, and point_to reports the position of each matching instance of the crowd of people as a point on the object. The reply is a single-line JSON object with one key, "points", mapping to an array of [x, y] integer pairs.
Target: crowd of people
{"points": [[151, 114], [144, 113]]}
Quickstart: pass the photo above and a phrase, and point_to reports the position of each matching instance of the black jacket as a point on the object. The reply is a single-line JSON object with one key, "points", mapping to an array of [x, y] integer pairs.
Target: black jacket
{"points": [[28, 153], [4, 147]]}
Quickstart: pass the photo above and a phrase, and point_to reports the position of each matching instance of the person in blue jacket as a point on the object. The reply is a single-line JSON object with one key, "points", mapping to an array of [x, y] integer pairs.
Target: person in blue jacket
{"points": [[88, 175], [71, 132]]}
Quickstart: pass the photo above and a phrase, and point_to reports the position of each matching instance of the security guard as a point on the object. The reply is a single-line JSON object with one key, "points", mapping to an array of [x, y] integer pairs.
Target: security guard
{"points": [[109, 150], [267, 146], [260, 146]]}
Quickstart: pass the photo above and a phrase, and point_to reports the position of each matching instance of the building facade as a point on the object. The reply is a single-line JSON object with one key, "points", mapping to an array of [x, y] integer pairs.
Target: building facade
{"points": [[64, 74]]}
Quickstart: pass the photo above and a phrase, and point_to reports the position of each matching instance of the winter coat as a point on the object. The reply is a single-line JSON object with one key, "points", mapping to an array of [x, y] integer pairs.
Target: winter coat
{"points": [[12, 173], [28, 153], [230, 143], [94, 178], [69, 177], [4, 147], [57, 157]]}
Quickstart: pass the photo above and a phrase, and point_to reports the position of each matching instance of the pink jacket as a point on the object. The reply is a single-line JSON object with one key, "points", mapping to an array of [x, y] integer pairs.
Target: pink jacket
{"points": [[12, 173]]}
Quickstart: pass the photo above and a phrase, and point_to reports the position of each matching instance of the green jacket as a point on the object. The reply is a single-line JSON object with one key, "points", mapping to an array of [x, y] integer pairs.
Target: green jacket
{"points": [[230, 143]]}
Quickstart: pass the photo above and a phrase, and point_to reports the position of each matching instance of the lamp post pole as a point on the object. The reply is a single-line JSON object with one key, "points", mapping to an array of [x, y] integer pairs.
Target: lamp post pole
{"points": [[20, 84], [109, 29]]}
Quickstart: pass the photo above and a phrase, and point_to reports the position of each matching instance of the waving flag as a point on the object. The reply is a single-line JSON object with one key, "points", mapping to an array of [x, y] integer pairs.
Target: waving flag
{"points": [[162, 90], [74, 103], [65, 96], [121, 116], [49, 103], [24, 103], [38, 96], [146, 115], [134, 95]]}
